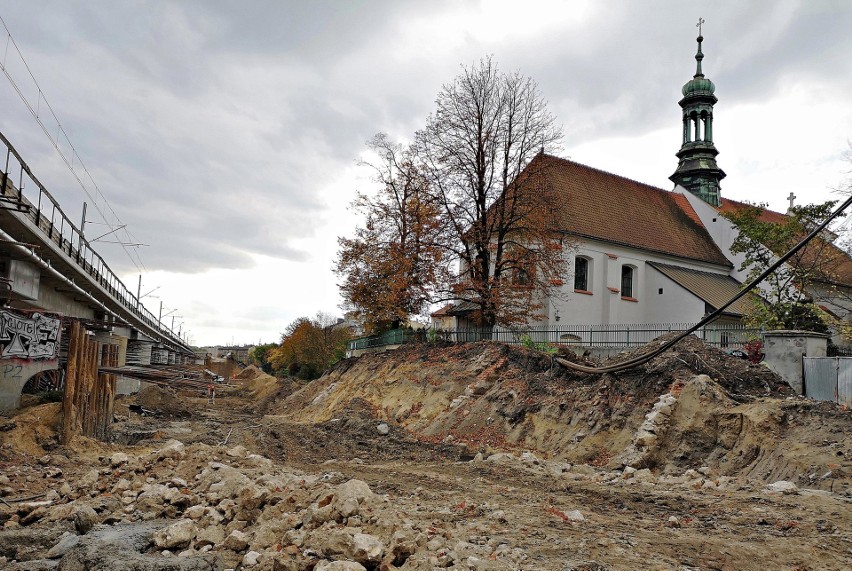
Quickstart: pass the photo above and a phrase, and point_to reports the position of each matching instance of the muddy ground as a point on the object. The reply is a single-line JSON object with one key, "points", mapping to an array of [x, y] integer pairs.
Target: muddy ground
{"points": [[480, 456]]}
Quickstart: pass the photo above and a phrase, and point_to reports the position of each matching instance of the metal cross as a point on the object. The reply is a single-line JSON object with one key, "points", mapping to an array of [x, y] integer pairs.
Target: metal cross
{"points": [[791, 198], [698, 25]]}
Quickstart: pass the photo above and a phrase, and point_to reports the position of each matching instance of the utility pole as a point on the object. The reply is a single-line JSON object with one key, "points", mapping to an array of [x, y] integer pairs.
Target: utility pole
{"points": [[139, 292], [160, 315], [83, 222]]}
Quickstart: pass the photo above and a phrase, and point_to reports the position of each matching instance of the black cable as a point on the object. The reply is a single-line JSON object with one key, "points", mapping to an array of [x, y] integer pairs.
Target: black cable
{"points": [[636, 361]]}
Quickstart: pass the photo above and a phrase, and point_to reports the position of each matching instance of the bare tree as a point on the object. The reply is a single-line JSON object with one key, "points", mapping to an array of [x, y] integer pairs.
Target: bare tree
{"points": [[479, 154]]}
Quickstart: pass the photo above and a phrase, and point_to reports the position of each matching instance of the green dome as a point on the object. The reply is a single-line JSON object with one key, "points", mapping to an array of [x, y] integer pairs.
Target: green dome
{"points": [[698, 85]]}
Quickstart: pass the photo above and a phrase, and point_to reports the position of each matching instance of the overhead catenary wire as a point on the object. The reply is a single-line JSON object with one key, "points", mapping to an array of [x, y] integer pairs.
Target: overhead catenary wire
{"points": [[36, 113], [636, 361]]}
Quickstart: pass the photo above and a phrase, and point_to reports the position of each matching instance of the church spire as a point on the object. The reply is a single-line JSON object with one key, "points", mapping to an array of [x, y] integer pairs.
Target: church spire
{"points": [[699, 56], [697, 171]]}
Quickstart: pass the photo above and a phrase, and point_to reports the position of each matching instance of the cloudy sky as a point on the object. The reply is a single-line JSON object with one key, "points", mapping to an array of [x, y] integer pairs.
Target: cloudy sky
{"points": [[225, 133]]}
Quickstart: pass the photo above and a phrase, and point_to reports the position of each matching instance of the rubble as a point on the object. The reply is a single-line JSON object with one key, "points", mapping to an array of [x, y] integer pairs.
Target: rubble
{"points": [[540, 471]]}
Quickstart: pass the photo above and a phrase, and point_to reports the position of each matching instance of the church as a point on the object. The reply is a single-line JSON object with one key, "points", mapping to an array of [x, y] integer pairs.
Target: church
{"points": [[644, 255]]}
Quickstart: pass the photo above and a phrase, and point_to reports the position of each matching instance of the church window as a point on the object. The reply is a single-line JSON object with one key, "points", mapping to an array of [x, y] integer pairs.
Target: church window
{"points": [[581, 274], [627, 289]]}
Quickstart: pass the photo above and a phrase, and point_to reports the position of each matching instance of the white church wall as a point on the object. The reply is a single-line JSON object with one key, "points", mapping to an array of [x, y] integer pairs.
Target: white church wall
{"points": [[668, 302], [604, 303], [721, 230]]}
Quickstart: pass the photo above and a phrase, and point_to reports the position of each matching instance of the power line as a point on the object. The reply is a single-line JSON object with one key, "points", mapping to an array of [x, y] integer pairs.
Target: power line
{"points": [[36, 113]]}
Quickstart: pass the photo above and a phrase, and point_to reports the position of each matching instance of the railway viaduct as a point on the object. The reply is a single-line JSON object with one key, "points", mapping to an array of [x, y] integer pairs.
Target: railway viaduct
{"points": [[51, 276]]}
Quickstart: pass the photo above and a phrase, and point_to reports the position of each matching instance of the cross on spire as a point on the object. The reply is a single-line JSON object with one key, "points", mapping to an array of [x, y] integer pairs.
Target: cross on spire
{"points": [[698, 25], [791, 198]]}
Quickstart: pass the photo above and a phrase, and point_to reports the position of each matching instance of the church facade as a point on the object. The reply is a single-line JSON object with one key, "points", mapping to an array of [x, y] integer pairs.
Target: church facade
{"points": [[640, 254]]}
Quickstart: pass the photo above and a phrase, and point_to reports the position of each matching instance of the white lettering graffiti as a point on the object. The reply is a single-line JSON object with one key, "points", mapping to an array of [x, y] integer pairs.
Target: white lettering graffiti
{"points": [[28, 337]]}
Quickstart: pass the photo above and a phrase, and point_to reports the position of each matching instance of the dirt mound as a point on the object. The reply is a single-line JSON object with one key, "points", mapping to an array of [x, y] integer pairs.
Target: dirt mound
{"points": [[32, 431], [772, 439], [692, 356], [162, 401], [265, 390], [492, 396], [248, 373], [272, 392]]}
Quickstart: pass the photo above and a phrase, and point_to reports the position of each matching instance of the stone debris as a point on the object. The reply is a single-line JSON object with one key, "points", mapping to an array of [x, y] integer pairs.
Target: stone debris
{"points": [[782, 487], [176, 535], [481, 489], [650, 432], [201, 505], [85, 518]]}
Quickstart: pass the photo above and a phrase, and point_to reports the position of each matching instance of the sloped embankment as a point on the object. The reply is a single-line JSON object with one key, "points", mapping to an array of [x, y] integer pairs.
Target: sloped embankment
{"points": [[661, 415]]}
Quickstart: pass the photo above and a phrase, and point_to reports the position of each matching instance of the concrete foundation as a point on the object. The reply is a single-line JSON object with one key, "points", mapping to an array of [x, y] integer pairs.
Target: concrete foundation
{"points": [[127, 386], [785, 349]]}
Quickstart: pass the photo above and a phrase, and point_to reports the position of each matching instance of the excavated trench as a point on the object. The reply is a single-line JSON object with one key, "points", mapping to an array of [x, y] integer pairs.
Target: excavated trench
{"points": [[725, 413]]}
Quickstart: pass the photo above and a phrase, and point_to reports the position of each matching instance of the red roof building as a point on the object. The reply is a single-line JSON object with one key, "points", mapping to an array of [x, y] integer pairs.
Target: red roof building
{"points": [[644, 255]]}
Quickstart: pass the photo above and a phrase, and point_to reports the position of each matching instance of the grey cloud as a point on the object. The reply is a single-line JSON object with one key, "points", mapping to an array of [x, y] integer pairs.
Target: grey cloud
{"points": [[213, 127]]}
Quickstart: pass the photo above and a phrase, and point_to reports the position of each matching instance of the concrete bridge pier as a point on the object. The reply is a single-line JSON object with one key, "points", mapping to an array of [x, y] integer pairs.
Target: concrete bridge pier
{"points": [[137, 352], [14, 374], [159, 356]]}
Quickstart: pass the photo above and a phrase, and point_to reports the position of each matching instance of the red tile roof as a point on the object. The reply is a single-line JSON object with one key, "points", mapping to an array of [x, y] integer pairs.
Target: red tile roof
{"points": [[443, 311], [835, 265], [714, 289], [766, 215], [607, 207]]}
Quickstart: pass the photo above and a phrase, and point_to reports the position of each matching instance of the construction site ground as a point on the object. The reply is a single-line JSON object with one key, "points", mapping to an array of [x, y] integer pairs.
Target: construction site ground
{"points": [[478, 456]]}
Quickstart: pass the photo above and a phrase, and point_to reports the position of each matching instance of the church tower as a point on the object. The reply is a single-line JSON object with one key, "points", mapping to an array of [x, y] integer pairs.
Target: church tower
{"points": [[697, 170]]}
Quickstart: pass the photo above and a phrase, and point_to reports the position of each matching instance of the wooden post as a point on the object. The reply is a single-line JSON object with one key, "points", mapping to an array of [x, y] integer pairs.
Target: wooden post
{"points": [[68, 398], [91, 389], [89, 397], [110, 398]]}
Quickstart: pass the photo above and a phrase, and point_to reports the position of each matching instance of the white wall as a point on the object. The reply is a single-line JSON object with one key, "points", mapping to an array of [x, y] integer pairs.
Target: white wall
{"points": [[720, 229], [605, 305], [675, 305]]}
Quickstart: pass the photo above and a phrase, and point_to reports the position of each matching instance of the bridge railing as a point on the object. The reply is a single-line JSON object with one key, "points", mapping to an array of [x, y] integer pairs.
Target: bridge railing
{"points": [[49, 218]]}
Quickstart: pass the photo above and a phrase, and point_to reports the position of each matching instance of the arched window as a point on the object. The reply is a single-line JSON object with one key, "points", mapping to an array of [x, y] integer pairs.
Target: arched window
{"points": [[582, 274], [627, 281]]}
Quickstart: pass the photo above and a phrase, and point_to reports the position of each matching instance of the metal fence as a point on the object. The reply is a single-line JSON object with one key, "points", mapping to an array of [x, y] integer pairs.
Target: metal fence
{"points": [[829, 378], [392, 337], [724, 336]]}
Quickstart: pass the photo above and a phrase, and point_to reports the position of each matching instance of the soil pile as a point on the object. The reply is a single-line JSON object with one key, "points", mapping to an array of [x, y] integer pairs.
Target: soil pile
{"points": [[31, 432], [161, 401], [688, 407], [248, 373]]}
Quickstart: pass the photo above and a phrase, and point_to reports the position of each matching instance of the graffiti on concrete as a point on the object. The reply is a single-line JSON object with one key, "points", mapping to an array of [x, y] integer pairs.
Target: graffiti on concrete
{"points": [[33, 336]]}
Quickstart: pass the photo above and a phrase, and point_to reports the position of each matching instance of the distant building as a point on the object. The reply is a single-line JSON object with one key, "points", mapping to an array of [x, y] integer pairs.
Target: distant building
{"points": [[238, 352]]}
